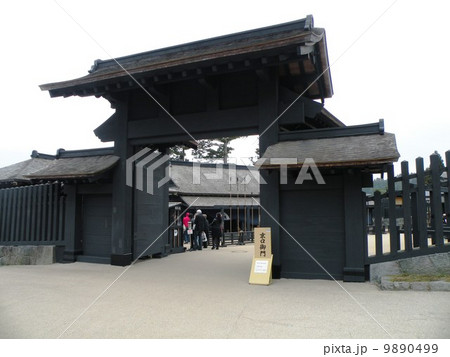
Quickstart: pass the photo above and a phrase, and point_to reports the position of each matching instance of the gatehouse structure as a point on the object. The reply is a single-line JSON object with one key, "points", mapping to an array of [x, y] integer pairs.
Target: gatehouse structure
{"points": [[271, 82]]}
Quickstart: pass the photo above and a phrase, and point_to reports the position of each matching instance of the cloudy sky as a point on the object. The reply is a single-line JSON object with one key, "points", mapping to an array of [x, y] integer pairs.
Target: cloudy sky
{"points": [[389, 59]]}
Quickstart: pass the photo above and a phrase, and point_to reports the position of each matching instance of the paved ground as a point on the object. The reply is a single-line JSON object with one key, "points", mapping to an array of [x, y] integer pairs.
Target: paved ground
{"points": [[206, 295]]}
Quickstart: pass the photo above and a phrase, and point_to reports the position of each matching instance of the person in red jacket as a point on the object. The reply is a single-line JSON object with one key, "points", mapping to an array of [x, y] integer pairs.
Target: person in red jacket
{"points": [[186, 220]]}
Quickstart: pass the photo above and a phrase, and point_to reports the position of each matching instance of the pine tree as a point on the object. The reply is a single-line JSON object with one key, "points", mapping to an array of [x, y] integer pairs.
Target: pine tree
{"points": [[428, 178], [177, 152], [256, 157], [216, 149]]}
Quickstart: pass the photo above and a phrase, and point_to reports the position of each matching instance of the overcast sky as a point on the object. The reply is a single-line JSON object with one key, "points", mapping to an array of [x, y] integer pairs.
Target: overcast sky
{"points": [[389, 59]]}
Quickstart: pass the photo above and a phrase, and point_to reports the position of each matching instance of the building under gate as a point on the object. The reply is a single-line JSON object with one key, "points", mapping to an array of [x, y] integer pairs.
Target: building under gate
{"points": [[230, 189], [267, 82], [64, 200]]}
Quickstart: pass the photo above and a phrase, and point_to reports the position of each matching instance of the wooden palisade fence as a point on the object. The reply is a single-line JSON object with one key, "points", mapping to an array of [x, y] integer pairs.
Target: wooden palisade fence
{"points": [[419, 224], [32, 215]]}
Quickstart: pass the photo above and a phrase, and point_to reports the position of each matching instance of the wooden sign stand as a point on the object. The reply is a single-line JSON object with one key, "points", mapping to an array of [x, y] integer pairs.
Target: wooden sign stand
{"points": [[261, 272]]}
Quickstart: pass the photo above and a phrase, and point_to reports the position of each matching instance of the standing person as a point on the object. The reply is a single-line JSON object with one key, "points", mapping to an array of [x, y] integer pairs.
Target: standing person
{"points": [[200, 225], [194, 233], [206, 232], [216, 230], [186, 220]]}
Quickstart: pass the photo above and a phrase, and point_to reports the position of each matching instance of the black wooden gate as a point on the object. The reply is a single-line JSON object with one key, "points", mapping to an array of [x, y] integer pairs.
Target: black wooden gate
{"points": [[411, 218], [32, 215], [96, 227], [302, 214]]}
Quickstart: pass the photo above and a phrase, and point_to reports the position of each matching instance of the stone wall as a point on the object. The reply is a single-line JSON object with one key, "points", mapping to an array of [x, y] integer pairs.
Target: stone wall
{"points": [[427, 264], [27, 255]]}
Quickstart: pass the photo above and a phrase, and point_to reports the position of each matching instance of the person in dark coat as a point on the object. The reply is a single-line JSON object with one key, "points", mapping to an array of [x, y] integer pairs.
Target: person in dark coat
{"points": [[200, 225], [216, 230]]}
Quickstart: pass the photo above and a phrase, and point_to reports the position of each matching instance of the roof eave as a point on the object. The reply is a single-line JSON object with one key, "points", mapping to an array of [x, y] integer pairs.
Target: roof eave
{"points": [[343, 164], [215, 50]]}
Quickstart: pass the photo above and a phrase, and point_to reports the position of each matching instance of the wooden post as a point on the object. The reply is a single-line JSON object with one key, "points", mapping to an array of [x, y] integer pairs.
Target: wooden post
{"points": [[61, 225], [447, 200], [2, 220], [122, 199], [27, 201], [39, 213], [7, 215], [19, 214], [436, 201], [377, 219], [414, 215], [393, 233], [70, 236], [406, 206], [231, 217], [3, 194], [50, 213], [421, 204], [268, 131], [13, 214], [44, 226], [34, 209], [55, 218]]}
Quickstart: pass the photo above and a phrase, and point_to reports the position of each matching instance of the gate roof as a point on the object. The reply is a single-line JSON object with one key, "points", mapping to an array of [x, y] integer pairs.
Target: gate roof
{"points": [[297, 48]]}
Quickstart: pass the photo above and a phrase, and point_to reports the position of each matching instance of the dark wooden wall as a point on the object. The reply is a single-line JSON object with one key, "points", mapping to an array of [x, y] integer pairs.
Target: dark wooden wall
{"points": [[151, 219], [416, 227], [313, 234], [32, 215]]}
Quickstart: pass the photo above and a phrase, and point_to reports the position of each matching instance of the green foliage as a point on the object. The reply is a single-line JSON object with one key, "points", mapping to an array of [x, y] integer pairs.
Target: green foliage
{"points": [[217, 149], [256, 157], [177, 152], [380, 185], [428, 179]]}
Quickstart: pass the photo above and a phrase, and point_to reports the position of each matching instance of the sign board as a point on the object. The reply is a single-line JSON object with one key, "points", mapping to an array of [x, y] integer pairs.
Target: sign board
{"points": [[261, 272], [263, 242]]}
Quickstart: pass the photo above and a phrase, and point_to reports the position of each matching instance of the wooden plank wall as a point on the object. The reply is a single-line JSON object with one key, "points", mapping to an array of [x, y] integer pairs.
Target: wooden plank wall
{"points": [[32, 215], [419, 229]]}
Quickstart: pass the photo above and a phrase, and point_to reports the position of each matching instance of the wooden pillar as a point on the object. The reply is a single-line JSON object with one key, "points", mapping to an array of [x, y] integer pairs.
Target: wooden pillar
{"points": [[354, 203], [421, 206], [406, 201], [393, 231], [72, 224], [447, 197], [122, 200], [378, 223], [436, 200], [269, 192]]}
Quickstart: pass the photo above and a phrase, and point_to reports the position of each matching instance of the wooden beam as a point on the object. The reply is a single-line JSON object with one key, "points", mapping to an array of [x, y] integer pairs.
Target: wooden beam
{"points": [[311, 107], [365, 129], [295, 114], [156, 92], [236, 121]]}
